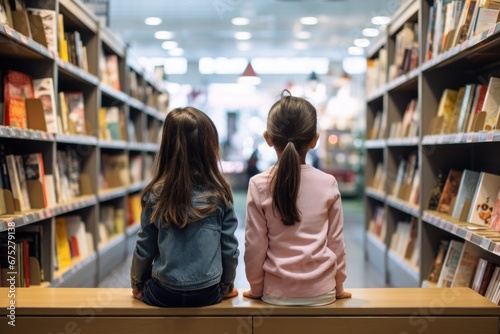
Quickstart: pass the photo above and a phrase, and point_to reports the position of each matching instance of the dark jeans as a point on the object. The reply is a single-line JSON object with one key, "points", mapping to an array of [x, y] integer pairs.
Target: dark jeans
{"points": [[157, 295]]}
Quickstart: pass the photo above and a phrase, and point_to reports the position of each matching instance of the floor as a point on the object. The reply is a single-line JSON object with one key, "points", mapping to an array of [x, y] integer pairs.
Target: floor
{"points": [[360, 273]]}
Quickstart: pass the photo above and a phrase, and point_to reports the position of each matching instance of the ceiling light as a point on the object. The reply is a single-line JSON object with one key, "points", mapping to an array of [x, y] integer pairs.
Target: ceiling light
{"points": [[361, 42], [249, 77], [176, 52], [243, 35], [355, 51], [303, 34], [168, 45], [309, 20], [163, 34], [153, 21], [370, 32], [381, 20], [240, 21]]}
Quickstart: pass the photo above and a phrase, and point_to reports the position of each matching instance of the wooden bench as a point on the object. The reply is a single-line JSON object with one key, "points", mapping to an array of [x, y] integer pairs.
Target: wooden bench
{"points": [[370, 311]]}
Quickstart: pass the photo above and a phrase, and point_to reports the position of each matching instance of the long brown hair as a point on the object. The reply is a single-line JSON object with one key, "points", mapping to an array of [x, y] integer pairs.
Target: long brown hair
{"points": [[291, 126], [188, 159]]}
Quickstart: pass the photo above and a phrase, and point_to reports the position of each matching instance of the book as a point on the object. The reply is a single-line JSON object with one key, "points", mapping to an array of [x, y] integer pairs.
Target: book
{"points": [[44, 90], [18, 86], [62, 244], [49, 22], [437, 265], [466, 106], [35, 177], [21, 174], [477, 106], [464, 22], [76, 229], [486, 18], [484, 197], [495, 216], [466, 191], [492, 104], [19, 202], [466, 266], [5, 14], [450, 264], [450, 190], [76, 112], [436, 191]]}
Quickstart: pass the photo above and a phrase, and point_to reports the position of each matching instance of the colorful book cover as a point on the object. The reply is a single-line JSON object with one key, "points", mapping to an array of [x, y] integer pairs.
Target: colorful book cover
{"points": [[35, 171], [49, 21], [44, 90], [481, 208], [76, 112], [492, 104], [62, 244], [466, 191], [495, 216], [450, 190], [466, 266], [450, 264], [18, 86]]}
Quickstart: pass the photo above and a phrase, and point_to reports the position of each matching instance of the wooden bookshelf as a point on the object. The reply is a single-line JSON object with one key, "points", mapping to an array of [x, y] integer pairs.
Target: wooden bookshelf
{"points": [[469, 62], [142, 120]]}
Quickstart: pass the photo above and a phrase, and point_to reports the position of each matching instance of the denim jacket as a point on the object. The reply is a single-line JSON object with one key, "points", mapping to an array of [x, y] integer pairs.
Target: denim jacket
{"points": [[202, 254]]}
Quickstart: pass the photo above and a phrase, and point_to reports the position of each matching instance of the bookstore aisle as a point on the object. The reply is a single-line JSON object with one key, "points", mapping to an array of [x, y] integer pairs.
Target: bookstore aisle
{"points": [[360, 273]]}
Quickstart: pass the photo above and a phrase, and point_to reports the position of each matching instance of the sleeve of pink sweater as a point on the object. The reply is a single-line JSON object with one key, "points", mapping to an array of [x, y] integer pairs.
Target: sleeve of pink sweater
{"points": [[336, 241], [256, 241]]}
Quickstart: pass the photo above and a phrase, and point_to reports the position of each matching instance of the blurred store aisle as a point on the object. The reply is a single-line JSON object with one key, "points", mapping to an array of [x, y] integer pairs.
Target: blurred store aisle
{"points": [[360, 273]]}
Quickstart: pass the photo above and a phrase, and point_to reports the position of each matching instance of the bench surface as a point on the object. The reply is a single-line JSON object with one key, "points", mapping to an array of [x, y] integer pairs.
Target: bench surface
{"points": [[365, 302]]}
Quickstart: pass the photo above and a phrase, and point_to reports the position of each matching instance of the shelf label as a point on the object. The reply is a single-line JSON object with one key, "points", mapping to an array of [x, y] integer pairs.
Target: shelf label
{"points": [[490, 136], [491, 31], [468, 236], [496, 250], [454, 229], [8, 30], [485, 243], [470, 136], [23, 39]]}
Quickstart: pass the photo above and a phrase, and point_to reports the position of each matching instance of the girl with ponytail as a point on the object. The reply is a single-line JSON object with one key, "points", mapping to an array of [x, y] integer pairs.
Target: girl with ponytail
{"points": [[294, 246]]}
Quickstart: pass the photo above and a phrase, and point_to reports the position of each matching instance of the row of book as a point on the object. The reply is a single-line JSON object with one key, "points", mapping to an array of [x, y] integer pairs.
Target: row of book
{"points": [[406, 128], [406, 50], [404, 240], [72, 241], [469, 196], [452, 22], [470, 108], [24, 184], [459, 264]]}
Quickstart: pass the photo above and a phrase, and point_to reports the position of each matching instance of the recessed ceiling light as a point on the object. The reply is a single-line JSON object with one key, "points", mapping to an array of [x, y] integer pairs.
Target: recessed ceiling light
{"points": [[240, 21], [176, 52], [303, 34], [355, 50], [370, 32], [153, 21], [163, 34], [243, 35], [381, 20], [168, 45], [361, 42], [309, 20]]}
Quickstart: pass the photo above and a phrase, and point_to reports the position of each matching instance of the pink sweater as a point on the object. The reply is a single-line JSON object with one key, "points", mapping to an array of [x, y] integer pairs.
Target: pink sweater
{"points": [[303, 260]]}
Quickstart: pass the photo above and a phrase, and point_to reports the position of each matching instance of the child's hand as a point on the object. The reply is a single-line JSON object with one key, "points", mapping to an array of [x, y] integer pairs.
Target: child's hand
{"points": [[248, 294], [137, 294], [345, 295], [232, 293]]}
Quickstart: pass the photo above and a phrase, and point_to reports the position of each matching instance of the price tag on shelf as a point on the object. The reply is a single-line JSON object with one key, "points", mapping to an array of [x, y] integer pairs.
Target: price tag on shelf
{"points": [[454, 229], [496, 250], [485, 243], [468, 236], [470, 136], [490, 136], [23, 39], [491, 31], [8, 30]]}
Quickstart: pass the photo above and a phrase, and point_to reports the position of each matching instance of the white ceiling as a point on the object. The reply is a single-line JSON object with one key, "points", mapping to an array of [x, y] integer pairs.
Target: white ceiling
{"points": [[203, 27]]}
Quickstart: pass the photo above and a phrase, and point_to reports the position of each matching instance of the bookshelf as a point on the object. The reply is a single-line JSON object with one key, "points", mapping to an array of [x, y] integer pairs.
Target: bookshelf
{"points": [[389, 151], [98, 158]]}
